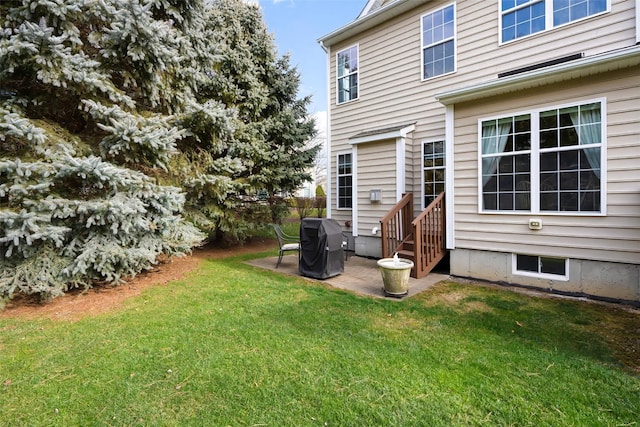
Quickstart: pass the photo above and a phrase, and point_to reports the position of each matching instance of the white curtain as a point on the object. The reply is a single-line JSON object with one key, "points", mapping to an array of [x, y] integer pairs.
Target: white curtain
{"points": [[587, 125], [489, 137], [344, 83]]}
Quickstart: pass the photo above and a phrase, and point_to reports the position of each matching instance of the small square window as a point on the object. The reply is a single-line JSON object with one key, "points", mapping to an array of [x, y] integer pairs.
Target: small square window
{"points": [[556, 266], [527, 263], [541, 266]]}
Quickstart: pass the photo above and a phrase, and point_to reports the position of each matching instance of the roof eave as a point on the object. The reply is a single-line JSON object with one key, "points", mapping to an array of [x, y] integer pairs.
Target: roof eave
{"points": [[393, 132], [369, 21], [366, 8], [596, 64]]}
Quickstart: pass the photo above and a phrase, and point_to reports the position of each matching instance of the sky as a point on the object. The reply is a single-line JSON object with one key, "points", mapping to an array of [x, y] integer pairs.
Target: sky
{"points": [[296, 26]]}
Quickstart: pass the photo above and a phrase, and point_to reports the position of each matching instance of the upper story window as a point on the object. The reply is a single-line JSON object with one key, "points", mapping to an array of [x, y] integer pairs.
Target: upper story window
{"points": [[521, 18], [543, 161], [573, 10], [438, 42], [347, 74], [345, 181]]}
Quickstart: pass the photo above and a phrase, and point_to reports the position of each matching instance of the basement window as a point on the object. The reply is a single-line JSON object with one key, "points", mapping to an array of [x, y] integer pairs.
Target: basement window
{"points": [[541, 267]]}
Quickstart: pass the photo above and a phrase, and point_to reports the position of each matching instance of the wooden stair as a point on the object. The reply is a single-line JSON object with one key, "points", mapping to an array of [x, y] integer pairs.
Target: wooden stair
{"points": [[421, 240], [407, 251]]}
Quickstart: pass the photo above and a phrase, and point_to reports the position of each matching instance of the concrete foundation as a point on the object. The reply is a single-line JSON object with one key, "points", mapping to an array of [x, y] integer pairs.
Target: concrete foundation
{"points": [[607, 280], [368, 246]]}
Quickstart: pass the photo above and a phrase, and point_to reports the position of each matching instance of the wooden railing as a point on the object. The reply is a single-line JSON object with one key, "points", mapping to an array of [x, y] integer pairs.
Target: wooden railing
{"points": [[421, 239], [429, 237], [396, 226]]}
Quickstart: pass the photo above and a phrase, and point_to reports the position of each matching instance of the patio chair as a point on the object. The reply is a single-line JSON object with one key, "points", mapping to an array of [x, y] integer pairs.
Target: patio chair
{"points": [[347, 245], [286, 243]]}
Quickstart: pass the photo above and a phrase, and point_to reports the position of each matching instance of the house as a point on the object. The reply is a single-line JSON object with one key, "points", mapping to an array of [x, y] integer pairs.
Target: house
{"points": [[505, 133], [318, 171]]}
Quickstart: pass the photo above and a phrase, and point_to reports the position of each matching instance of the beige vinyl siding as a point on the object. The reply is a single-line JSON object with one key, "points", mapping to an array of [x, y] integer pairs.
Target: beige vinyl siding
{"points": [[390, 87], [389, 94], [391, 91], [614, 237], [375, 171], [390, 69], [480, 57]]}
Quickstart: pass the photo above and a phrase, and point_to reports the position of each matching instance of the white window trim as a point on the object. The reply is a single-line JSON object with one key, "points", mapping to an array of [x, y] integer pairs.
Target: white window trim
{"points": [[449, 178], [342, 153], [548, 21], [401, 167], [546, 276], [329, 194], [535, 161], [395, 134], [454, 38], [637, 21], [357, 46], [354, 192]]}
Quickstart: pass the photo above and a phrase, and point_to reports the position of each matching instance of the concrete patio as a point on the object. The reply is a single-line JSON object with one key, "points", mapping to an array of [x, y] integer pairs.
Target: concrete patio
{"points": [[361, 276]]}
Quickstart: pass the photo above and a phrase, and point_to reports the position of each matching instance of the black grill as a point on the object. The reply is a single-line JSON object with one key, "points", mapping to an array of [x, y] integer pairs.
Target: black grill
{"points": [[321, 252]]}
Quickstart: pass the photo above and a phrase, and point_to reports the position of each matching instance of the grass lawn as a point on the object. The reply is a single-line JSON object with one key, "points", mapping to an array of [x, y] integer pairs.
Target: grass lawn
{"points": [[234, 345]]}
